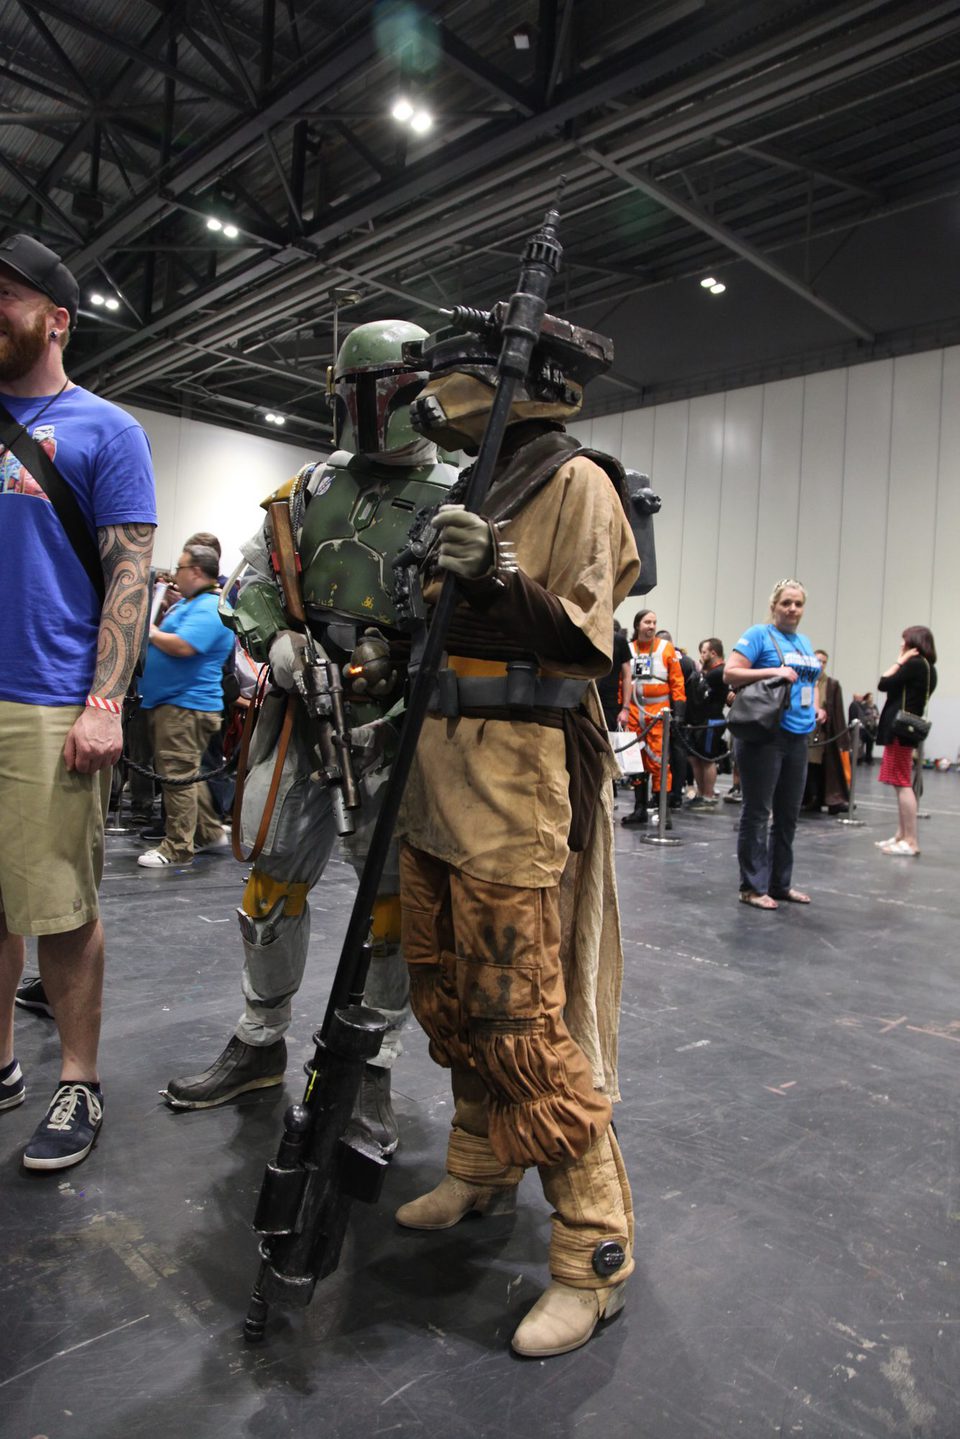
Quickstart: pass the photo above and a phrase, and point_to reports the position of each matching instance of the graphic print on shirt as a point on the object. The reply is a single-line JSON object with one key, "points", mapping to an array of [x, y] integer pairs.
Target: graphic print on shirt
{"points": [[15, 478]]}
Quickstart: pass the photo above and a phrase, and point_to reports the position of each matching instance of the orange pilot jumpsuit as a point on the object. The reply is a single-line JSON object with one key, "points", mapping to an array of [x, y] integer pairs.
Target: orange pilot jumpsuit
{"points": [[657, 679]]}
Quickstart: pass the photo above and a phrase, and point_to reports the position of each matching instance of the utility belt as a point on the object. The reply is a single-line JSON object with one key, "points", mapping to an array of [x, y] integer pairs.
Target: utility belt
{"points": [[506, 688]]}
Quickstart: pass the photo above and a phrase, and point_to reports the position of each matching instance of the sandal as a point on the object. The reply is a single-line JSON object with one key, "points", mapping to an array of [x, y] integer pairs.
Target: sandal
{"points": [[899, 847], [757, 901], [793, 896], [882, 843]]}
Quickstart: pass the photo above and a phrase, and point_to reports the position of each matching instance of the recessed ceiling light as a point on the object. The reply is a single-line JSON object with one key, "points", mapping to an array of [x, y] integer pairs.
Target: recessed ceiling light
{"points": [[214, 224], [279, 419], [402, 110], [718, 288], [708, 282], [96, 298], [421, 122], [231, 231], [111, 303]]}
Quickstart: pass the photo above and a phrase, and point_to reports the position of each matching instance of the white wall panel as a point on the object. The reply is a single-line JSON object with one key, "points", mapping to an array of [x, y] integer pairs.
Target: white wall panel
{"points": [[821, 494], [945, 604], [637, 440], [607, 434], [737, 526], [668, 471], [779, 502], [912, 503], [862, 524], [701, 519]]}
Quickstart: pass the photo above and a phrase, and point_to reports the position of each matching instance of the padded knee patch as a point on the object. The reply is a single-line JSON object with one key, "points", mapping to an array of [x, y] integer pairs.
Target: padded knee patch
{"points": [[385, 921]]}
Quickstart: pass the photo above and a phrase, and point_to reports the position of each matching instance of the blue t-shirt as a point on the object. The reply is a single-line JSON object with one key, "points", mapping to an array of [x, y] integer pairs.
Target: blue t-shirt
{"points": [[193, 682], [51, 612], [756, 644]]}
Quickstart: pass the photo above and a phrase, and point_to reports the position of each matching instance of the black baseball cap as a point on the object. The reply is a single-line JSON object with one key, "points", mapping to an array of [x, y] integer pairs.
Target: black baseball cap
{"points": [[42, 270]]}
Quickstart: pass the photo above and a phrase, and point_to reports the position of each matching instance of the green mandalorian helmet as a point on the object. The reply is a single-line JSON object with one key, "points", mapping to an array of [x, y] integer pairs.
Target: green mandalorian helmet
{"points": [[372, 387]]}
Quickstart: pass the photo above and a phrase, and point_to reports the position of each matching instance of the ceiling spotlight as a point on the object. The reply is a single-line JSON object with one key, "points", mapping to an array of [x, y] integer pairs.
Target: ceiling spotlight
{"points": [[708, 283], [718, 288], [421, 122], [112, 303], [214, 224], [96, 298], [231, 231], [279, 419], [270, 417], [402, 110]]}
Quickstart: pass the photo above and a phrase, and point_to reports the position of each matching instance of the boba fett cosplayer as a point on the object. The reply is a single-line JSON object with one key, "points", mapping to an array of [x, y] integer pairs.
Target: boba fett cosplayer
{"points": [[349, 517]]}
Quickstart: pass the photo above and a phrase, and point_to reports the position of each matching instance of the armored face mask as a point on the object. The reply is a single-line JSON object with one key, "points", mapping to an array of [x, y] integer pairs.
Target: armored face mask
{"points": [[453, 406]]}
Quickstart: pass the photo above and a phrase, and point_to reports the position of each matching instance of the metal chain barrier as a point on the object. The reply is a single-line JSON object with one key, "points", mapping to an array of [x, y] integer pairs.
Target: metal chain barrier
{"points": [[201, 774]]}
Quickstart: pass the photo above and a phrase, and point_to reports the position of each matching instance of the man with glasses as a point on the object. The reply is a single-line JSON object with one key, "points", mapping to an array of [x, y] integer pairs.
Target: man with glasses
{"points": [[182, 692]]}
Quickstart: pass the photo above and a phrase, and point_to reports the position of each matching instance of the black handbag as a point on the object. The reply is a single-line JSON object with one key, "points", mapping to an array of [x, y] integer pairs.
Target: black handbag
{"points": [[912, 729], [758, 707]]}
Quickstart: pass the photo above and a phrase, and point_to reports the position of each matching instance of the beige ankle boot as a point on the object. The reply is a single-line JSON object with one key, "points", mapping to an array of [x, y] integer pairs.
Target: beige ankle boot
{"points": [[563, 1318], [451, 1200]]}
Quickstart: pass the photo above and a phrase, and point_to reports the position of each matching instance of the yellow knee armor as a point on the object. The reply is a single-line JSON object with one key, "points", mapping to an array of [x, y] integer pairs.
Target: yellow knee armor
{"points": [[263, 893]]}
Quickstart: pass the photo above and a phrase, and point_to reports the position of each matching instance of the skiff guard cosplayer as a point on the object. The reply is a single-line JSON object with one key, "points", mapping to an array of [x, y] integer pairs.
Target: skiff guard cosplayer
{"points": [[511, 775], [350, 516]]}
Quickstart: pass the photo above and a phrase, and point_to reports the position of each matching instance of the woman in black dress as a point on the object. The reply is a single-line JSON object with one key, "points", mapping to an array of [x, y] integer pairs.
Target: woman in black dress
{"points": [[908, 685]]}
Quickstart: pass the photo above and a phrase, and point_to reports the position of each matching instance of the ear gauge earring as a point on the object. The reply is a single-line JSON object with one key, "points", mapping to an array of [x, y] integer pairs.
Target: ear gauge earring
{"points": [[54, 334]]}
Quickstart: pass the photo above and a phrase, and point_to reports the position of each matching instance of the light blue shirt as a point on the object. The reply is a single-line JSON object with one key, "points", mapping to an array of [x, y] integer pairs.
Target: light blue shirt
{"points": [[192, 682], [757, 645]]}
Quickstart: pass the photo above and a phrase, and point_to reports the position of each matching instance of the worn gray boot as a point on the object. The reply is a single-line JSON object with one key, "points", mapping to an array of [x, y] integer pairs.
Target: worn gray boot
{"points": [[373, 1116]]}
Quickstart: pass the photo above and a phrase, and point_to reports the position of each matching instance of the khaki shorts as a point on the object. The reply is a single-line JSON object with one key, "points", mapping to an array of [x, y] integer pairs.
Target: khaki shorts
{"points": [[51, 823]]}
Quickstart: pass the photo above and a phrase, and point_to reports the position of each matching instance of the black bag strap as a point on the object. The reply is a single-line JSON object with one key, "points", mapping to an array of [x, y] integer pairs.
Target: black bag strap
{"points": [[773, 635], [14, 438]]}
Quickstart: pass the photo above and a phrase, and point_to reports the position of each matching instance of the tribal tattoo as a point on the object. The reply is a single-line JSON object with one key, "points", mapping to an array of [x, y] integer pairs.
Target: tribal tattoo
{"points": [[125, 552]]}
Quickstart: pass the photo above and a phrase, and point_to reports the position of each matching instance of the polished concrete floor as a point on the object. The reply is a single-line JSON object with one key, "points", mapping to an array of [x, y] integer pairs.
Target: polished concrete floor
{"points": [[789, 1124]]}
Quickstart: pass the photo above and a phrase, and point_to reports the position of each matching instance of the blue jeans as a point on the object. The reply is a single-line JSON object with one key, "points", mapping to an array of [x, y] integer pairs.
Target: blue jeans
{"points": [[772, 777]]}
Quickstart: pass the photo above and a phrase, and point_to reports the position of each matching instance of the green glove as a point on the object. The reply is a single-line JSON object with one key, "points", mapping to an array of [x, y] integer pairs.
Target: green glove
{"points": [[466, 544]]}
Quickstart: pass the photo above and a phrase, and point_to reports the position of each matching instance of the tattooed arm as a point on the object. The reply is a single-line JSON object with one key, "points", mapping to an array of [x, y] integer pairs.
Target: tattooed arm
{"points": [[96, 740]]}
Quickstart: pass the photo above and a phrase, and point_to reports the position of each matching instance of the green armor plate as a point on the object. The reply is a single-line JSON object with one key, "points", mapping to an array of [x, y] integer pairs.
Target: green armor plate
{"points": [[356, 522]]}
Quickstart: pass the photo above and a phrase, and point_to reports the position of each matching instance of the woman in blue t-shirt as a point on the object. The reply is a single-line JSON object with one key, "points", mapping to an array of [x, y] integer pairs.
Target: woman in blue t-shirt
{"points": [[773, 771]]}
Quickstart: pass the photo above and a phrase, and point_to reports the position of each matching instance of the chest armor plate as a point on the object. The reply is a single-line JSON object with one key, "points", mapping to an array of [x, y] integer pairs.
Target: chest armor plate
{"points": [[355, 523]]}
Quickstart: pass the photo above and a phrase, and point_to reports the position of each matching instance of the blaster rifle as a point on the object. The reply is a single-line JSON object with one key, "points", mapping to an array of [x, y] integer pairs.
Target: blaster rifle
{"points": [[320, 1165], [317, 679]]}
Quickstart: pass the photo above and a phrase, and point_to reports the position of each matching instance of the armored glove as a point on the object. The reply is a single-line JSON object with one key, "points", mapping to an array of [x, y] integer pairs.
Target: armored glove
{"points": [[466, 543], [287, 655]]}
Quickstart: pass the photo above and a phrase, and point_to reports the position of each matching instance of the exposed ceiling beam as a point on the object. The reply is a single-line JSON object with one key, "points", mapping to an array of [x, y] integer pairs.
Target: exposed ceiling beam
{"points": [[699, 218]]}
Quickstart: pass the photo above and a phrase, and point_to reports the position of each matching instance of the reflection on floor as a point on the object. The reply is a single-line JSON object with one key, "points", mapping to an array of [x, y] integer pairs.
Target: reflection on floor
{"points": [[788, 1123]]}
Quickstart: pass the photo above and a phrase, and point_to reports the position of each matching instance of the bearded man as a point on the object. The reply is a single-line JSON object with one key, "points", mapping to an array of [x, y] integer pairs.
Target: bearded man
{"points": [[75, 602]]}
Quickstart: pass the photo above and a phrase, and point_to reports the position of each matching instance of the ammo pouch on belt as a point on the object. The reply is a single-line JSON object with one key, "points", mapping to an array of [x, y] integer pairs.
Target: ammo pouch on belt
{"points": [[522, 691], [521, 688]]}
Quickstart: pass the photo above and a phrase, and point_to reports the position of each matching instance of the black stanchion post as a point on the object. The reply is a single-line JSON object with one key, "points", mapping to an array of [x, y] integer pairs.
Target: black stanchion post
{"points": [[661, 837], [850, 817]]}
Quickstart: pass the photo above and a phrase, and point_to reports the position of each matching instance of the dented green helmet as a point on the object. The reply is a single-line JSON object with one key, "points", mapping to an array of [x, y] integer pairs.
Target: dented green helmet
{"points": [[372, 387]]}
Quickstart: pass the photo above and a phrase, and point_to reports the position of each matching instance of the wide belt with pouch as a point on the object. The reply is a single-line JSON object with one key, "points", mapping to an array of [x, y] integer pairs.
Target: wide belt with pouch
{"points": [[514, 686]]}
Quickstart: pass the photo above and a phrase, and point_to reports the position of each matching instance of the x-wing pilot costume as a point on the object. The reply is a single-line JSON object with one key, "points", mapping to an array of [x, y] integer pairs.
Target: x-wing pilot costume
{"points": [[350, 517], [656, 684], [511, 769]]}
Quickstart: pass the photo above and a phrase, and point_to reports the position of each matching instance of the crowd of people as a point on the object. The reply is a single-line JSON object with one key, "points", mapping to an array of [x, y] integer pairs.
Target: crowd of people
{"points": [[802, 762], [509, 794]]}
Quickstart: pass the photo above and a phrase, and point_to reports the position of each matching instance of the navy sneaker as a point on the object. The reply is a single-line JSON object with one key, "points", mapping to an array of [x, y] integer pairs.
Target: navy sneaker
{"points": [[68, 1130], [13, 1091], [32, 995]]}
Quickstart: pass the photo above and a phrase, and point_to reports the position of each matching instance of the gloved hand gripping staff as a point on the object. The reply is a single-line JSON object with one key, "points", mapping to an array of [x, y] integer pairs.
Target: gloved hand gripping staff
{"points": [[320, 1166]]}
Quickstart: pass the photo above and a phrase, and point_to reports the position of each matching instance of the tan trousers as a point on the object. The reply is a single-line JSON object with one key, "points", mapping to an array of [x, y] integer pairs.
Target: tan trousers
{"points": [[487, 986], [180, 738]]}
